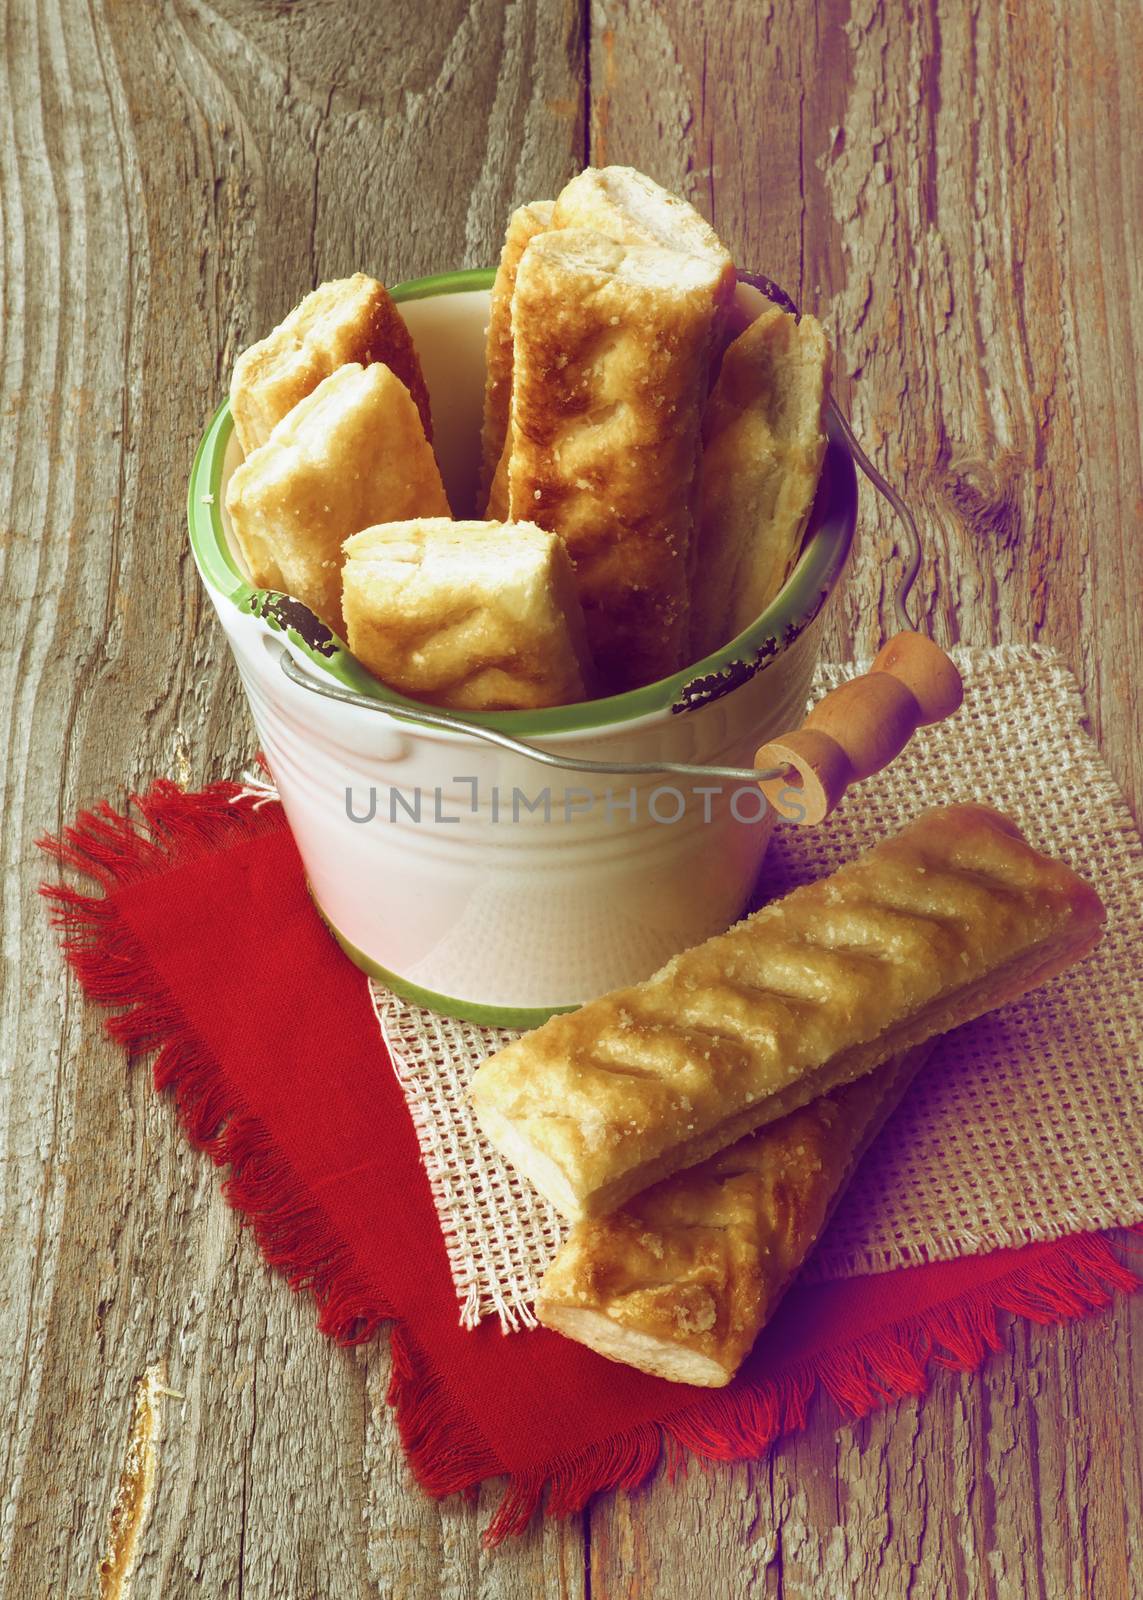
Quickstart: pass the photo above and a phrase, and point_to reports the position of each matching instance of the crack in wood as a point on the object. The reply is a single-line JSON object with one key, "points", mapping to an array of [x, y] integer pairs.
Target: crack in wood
{"points": [[131, 1505]]}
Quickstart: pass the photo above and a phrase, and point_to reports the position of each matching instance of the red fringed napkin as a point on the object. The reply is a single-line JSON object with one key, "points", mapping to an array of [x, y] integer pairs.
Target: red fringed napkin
{"points": [[202, 933]]}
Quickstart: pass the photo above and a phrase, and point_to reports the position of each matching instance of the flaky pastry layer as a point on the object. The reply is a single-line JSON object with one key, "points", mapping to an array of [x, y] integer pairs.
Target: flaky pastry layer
{"points": [[350, 320], [680, 1281], [480, 616], [523, 225], [763, 444], [612, 346], [350, 454], [625, 205]]}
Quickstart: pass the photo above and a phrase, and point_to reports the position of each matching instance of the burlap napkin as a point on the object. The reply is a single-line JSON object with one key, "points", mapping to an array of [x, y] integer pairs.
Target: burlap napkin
{"points": [[1026, 1125]]}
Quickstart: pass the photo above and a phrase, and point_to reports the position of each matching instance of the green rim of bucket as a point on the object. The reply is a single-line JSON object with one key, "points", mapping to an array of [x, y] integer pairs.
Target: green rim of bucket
{"points": [[486, 1016], [831, 528]]}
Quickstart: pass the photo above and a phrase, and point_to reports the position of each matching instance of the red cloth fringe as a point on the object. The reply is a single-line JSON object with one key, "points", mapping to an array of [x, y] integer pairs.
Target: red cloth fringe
{"points": [[446, 1453], [114, 850], [742, 1422]]}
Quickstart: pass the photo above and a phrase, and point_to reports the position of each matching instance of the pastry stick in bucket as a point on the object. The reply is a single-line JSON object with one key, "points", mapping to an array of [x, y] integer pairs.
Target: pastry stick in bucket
{"points": [[865, 723], [855, 731]]}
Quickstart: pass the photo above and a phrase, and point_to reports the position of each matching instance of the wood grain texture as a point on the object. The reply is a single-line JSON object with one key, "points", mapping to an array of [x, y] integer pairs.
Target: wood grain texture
{"points": [[173, 178], [954, 188]]}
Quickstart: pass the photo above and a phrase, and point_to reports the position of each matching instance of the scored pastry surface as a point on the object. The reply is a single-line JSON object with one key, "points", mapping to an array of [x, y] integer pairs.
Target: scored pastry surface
{"points": [[950, 918], [612, 347], [680, 1280], [349, 320]]}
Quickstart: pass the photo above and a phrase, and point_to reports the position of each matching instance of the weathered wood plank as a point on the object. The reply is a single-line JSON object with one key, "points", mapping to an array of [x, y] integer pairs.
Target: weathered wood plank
{"points": [[952, 189], [173, 178], [1019, 1480]]}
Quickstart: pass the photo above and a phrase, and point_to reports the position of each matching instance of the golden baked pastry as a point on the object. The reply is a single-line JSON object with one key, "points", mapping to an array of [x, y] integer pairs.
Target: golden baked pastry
{"points": [[763, 443], [350, 454], [683, 1278], [954, 916], [523, 225], [627, 206], [497, 507], [481, 616], [612, 347], [349, 320]]}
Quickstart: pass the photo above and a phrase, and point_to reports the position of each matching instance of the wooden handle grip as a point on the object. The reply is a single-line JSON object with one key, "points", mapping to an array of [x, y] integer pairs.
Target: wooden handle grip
{"points": [[859, 728]]}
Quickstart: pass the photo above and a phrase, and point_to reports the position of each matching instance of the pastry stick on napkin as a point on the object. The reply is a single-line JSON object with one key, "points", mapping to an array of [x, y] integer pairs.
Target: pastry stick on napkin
{"points": [[681, 1281], [951, 918]]}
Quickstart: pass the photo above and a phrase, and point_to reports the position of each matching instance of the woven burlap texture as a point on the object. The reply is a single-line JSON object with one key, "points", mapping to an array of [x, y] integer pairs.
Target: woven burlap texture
{"points": [[1025, 1125]]}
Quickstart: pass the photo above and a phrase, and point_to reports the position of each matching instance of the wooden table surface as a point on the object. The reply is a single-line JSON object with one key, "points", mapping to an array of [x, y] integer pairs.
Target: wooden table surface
{"points": [[955, 187]]}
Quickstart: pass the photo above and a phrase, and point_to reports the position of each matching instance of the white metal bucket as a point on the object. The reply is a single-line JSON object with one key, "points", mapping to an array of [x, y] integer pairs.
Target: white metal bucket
{"points": [[469, 878]]}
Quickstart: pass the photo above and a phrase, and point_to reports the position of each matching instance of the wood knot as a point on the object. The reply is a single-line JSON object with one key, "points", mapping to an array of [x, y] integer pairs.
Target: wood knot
{"points": [[986, 495]]}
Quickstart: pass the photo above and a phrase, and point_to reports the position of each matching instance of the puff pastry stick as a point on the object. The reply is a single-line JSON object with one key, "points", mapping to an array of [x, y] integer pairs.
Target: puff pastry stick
{"points": [[523, 225], [350, 454], [763, 443], [627, 206], [954, 916], [349, 320], [612, 345], [473, 615], [683, 1278], [497, 507]]}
